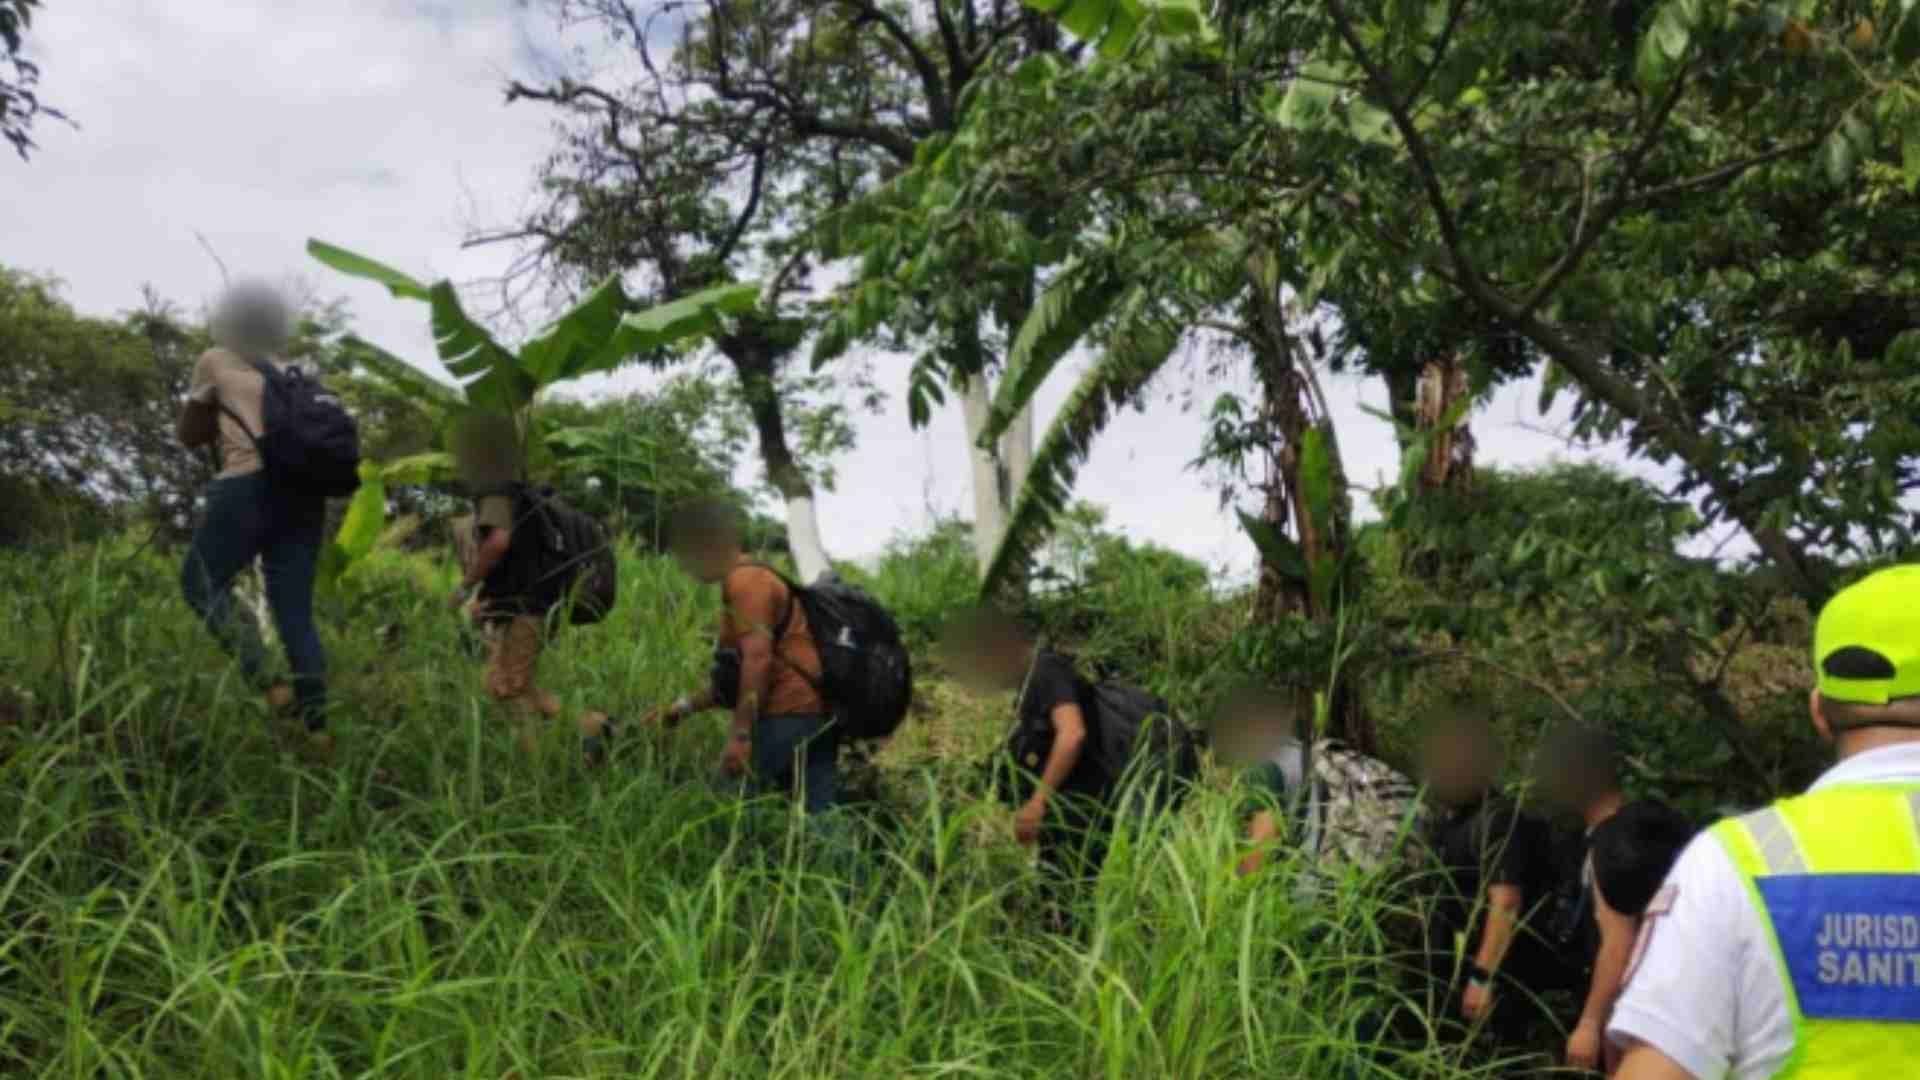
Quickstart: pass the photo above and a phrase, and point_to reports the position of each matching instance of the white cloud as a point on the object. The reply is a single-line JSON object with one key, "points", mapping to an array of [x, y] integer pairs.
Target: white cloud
{"points": [[380, 125]]}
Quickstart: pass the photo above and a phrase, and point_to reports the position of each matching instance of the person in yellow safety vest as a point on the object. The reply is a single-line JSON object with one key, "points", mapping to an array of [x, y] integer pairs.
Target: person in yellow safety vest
{"points": [[1786, 943]]}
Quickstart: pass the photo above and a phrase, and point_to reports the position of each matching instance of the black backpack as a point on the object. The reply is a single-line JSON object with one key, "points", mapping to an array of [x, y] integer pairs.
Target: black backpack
{"points": [[1140, 752], [865, 672], [1149, 756], [312, 444], [560, 555]]}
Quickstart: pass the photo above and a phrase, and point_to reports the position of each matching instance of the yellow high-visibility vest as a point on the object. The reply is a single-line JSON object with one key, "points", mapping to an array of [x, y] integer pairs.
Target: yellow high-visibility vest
{"points": [[1835, 875]]}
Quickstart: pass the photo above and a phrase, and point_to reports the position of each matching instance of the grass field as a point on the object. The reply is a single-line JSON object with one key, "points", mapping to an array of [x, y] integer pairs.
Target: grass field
{"points": [[178, 898]]}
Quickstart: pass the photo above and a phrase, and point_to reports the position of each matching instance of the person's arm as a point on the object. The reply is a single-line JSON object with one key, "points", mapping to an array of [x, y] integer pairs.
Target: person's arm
{"points": [[1643, 1061], [1617, 931], [1069, 736], [754, 613], [756, 680], [691, 705], [1503, 917], [198, 424], [486, 556], [1261, 832]]}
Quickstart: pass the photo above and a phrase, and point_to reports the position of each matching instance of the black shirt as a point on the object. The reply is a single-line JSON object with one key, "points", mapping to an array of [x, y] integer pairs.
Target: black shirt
{"points": [[1051, 683], [1492, 842]]}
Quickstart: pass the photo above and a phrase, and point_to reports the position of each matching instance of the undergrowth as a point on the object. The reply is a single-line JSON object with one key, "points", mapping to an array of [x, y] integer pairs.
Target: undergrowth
{"points": [[180, 899]]}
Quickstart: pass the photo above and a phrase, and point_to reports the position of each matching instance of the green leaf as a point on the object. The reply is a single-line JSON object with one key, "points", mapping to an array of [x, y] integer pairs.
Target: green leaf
{"points": [[1073, 303], [1316, 476], [432, 467], [469, 351], [1277, 549], [1903, 353], [1670, 32], [360, 529], [700, 314], [1322, 576], [362, 267], [1113, 380], [566, 345], [1837, 154], [399, 374], [1910, 147], [1307, 101], [1651, 66]]}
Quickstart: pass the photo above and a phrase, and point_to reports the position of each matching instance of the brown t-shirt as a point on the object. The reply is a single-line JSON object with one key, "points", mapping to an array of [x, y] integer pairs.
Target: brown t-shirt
{"points": [[754, 600], [222, 378]]}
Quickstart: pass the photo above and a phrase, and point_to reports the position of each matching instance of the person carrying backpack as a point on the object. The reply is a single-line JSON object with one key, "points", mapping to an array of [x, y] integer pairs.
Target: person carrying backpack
{"points": [[1077, 748], [533, 562], [1342, 807], [783, 736], [285, 446]]}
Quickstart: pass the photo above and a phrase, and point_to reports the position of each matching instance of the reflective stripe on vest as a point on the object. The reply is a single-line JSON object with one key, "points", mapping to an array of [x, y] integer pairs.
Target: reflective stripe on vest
{"points": [[1835, 875]]}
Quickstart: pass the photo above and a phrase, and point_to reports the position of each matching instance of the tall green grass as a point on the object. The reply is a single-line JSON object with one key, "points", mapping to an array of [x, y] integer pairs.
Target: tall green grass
{"points": [[180, 899]]}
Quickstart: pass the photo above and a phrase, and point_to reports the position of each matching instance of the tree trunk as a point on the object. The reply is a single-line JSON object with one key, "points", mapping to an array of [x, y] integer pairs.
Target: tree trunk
{"points": [[756, 361], [1291, 406], [1403, 386], [1449, 463], [990, 501]]}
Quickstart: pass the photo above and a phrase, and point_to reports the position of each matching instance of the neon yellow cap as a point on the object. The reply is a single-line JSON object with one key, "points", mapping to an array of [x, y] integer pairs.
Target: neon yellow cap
{"points": [[1866, 646]]}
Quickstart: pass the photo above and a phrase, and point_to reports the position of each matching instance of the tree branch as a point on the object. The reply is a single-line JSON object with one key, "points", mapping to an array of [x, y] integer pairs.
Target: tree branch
{"points": [[939, 103]]}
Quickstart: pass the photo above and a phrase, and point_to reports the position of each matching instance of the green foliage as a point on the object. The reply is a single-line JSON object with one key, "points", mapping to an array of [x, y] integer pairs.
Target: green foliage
{"points": [[1115, 378], [597, 334], [1693, 218], [191, 903], [1113, 25]]}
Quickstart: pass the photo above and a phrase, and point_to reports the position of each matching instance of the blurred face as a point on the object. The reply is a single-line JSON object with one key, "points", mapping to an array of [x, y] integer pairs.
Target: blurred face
{"points": [[707, 559], [1252, 726], [1459, 764], [990, 661]]}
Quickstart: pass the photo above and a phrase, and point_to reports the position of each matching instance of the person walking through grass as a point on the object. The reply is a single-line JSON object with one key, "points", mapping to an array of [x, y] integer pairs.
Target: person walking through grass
{"points": [[499, 570], [248, 516], [1064, 814], [781, 737]]}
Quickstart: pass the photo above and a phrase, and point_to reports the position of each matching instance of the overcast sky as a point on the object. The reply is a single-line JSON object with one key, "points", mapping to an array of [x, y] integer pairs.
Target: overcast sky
{"points": [[380, 125]]}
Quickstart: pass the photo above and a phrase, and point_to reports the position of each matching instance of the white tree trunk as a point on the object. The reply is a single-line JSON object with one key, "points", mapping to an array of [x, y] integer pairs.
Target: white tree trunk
{"points": [[1016, 454], [989, 505], [803, 536]]}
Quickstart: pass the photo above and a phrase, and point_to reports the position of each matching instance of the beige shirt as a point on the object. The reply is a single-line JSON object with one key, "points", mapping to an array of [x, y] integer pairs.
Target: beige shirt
{"points": [[222, 378]]}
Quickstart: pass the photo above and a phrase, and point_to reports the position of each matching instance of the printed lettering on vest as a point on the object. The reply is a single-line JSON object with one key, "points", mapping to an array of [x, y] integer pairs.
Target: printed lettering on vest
{"points": [[1851, 942]]}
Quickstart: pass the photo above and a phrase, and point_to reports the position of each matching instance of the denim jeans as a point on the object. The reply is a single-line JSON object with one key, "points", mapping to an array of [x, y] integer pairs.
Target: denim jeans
{"points": [[247, 519], [802, 751]]}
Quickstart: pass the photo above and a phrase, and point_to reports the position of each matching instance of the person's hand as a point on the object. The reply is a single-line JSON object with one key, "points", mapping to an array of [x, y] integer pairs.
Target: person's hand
{"points": [[1026, 822], [1583, 1047], [1477, 1002], [733, 761]]}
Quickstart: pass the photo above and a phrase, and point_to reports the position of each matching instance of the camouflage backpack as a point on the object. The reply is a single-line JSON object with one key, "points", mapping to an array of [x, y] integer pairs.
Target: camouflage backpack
{"points": [[1361, 812]]}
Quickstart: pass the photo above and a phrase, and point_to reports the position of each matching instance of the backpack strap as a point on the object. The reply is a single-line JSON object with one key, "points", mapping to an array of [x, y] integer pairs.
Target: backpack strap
{"points": [[266, 373], [786, 621]]}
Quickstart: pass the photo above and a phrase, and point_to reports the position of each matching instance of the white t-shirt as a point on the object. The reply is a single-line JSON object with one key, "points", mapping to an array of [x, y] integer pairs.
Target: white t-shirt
{"points": [[1705, 987]]}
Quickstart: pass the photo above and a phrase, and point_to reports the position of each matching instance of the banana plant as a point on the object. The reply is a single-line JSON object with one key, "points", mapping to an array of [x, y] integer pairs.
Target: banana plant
{"points": [[602, 332]]}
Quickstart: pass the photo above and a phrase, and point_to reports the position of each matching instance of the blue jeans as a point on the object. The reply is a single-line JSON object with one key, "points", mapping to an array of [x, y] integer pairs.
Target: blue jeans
{"points": [[247, 519], [798, 751]]}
